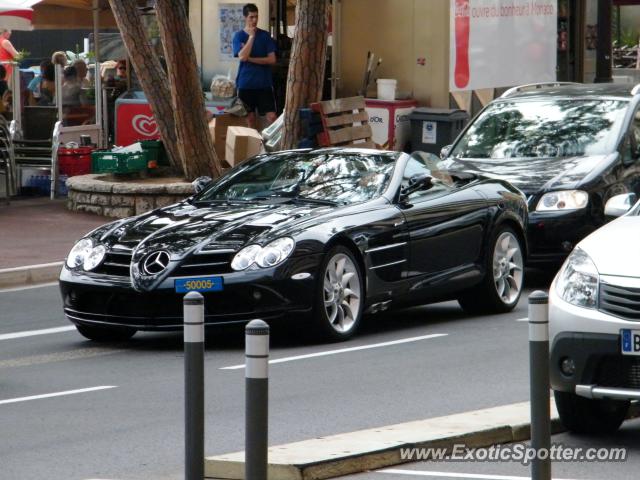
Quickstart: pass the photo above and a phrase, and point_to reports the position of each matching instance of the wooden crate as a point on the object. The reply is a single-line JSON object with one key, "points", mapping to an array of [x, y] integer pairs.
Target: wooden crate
{"points": [[345, 122]]}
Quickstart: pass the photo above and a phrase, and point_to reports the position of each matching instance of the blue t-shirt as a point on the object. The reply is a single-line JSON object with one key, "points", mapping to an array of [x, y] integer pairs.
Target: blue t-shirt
{"points": [[252, 75]]}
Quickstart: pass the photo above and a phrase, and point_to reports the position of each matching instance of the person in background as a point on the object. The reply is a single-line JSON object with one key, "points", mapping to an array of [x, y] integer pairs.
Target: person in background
{"points": [[72, 94], [59, 58], [4, 86], [82, 70], [36, 83], [121, 71], [8, 53], [47, 86], [257, 52]]}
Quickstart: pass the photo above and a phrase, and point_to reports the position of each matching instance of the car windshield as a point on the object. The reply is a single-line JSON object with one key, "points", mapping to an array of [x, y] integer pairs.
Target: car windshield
{"points": [[543, 128], [332, 178]]}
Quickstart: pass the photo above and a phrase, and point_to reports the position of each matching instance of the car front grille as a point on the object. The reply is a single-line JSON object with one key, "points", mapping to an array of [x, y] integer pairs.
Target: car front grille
{"points": [[622, 302], [211, 260], [208, 261], [116, 262], [619, 372]]}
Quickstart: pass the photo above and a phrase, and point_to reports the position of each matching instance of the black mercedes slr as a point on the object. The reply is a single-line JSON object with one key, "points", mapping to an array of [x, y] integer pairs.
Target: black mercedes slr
{"points": [[320, 237]]}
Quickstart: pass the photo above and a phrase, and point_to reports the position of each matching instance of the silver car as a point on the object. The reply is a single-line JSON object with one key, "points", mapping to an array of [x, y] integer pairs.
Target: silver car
{"points": [[594, 315]]}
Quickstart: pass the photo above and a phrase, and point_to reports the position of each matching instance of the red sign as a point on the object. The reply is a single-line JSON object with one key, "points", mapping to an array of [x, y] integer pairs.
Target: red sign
{"points": [[134, 121]]}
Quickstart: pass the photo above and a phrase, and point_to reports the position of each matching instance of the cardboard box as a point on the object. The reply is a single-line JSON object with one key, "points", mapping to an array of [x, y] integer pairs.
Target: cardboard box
{"points": [[218, 129], [242, 143]]}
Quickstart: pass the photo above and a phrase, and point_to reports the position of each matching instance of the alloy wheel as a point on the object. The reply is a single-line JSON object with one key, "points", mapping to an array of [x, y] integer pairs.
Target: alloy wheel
{"points": [[507, 267], [341, 292]]}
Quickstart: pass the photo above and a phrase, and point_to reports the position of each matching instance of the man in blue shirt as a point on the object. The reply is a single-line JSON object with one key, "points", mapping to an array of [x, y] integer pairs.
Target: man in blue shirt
{"points": [[257, 52]]}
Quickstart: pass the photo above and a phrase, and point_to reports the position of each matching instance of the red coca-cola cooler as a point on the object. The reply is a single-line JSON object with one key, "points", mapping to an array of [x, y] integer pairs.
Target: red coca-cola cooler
{"points": [[134, 120]]}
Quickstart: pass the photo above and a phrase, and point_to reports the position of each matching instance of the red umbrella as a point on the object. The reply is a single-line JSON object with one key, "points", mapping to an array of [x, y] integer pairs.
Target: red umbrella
{"points": [[16, 14], [16, 19]]}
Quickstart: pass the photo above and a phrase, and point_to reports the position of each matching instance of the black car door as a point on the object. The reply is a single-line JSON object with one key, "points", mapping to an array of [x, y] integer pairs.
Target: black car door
{"points": [[445, 224]]}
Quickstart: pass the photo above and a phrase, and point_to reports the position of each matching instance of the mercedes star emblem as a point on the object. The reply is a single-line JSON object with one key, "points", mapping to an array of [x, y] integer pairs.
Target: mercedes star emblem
{"points": [[156, 262]]}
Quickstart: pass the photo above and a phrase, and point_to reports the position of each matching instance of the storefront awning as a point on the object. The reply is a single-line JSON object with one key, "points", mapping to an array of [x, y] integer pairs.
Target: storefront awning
{"points": [[70, 14]]}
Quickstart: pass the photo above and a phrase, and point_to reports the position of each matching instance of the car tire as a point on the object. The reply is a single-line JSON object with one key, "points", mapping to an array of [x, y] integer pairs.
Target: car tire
{"points": [[105, 334], [585, 415], [501, 286], [340, 295]]}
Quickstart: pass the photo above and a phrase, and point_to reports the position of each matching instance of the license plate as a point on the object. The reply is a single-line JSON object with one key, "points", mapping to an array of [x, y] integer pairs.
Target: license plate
{"points": [[200, 284], [630, 342]]}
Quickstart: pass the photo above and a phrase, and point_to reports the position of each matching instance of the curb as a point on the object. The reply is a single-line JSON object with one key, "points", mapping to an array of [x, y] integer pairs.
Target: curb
{"points": [[356, 452], [30, 275]]}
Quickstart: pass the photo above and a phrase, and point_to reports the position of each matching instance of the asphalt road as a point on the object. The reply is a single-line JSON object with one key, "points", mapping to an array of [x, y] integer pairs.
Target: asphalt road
{"points": [[121, 416]]}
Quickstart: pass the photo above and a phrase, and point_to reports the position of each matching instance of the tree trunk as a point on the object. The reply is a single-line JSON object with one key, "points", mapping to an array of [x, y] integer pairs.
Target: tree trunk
{"points": [[306, 67], [152, 78], [194, 140]]}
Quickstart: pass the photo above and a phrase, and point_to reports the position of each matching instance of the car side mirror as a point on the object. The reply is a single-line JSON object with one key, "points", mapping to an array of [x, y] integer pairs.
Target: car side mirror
{"points": [[444, 153], [200, 183], [422, 181], [619, 205]]}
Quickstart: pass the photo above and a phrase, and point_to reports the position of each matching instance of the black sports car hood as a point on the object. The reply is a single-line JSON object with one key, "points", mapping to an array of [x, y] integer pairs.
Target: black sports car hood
{"points": [[534, 174], [182, 228]]}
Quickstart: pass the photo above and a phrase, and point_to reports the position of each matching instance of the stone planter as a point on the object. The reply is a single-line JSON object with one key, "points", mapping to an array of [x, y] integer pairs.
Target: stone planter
{"points": [[105, 195]]}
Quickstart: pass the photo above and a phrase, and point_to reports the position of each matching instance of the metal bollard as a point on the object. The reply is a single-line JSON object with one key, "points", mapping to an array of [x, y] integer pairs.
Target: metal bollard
{"points": [[539, 381], [194, 385], [257, 399]]}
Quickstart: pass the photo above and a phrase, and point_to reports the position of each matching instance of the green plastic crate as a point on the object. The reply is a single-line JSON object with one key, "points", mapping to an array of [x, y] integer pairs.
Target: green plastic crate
{"points": [[118, 162], [155, 151]]}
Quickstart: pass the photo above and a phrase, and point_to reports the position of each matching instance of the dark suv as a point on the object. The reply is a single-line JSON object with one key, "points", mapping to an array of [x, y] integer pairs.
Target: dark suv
{"points": [[568, 147]]}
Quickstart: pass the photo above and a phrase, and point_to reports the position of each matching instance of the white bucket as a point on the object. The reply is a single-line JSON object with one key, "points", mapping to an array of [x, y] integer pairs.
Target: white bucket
{"points": [[387, 88]]}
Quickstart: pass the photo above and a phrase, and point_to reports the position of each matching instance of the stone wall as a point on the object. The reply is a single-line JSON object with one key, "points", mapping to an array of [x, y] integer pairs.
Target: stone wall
{"points": [[103, 195]]}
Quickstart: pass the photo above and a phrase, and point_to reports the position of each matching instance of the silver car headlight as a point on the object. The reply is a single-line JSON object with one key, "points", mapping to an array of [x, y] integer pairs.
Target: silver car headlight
{"points": [[79, 252], [577, 281], [245, 257], [563, 200], [94, 257], [268, 256], [275, 252]]}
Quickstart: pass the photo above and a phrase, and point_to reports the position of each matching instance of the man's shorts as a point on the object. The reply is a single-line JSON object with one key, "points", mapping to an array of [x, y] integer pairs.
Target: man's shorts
{"points": [[258, 99]]}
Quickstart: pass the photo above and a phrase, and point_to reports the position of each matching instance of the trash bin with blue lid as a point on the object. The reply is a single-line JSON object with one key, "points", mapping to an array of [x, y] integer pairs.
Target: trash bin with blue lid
{"points": [[434, 128]]}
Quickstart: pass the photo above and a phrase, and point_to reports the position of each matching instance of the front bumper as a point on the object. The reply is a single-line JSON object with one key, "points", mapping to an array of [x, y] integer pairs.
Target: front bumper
{"points": [[591, 339], [267, 294], [552, 235]]}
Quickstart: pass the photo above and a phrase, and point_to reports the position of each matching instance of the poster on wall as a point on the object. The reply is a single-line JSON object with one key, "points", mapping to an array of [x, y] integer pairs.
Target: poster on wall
{"points": [[231, 20], [501, 43]]}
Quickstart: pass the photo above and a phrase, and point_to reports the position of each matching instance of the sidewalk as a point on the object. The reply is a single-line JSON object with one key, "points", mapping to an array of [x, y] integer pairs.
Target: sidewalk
{"points": [[38, 231]]}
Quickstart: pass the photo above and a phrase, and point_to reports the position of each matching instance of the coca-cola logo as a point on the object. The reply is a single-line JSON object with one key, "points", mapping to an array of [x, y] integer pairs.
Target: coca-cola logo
{"points": [[145, 125]]}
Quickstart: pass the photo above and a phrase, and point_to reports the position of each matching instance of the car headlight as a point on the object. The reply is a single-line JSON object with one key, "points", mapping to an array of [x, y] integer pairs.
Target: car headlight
{"points": [[86, 255], [245, 257], [79, 252], [94, 257], [275, 252], [563, 200], [268, 256], [577, 281]]}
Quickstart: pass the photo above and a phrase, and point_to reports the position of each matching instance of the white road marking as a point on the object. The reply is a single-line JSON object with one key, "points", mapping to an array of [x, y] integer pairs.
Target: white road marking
{"points": [[56, 394], [30, 287], [456, 475], [525, 319], [33, 333], [345, 350]]}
